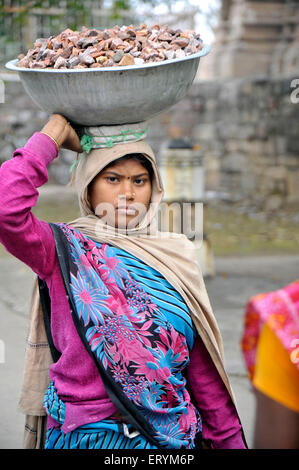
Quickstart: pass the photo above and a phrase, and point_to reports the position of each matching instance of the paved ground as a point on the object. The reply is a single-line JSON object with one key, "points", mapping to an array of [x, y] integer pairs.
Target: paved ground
{"points": [[237, 279]]}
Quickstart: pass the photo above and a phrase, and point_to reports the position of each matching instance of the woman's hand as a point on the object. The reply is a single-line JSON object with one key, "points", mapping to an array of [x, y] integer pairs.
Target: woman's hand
{"points": [[63, 133]]}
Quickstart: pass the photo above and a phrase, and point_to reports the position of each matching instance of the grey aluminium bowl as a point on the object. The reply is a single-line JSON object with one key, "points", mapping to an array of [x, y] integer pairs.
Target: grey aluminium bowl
{"points": [[110, 95]]}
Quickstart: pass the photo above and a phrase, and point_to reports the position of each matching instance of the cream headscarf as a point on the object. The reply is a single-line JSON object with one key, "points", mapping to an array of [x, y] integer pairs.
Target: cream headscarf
{"points": [[173, 255]]}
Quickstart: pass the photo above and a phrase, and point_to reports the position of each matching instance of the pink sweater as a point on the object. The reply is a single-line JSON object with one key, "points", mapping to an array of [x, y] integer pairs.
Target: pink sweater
{"points": [[75, 375]]}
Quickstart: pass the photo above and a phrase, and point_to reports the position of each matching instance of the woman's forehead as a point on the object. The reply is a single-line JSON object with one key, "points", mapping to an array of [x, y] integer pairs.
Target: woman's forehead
{"points": [[127, 166]]}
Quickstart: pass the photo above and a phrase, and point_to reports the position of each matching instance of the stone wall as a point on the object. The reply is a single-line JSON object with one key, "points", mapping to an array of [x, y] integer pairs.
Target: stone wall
{"points": [[247, 130], [19, 119], [255, 38]]}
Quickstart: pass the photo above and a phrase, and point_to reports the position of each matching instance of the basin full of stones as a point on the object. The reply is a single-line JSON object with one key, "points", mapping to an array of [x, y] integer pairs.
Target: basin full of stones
{"points": [[114, 47]]}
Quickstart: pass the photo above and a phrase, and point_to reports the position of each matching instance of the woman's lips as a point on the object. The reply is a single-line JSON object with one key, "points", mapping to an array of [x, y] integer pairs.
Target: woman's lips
{"points": [[127, 210]]}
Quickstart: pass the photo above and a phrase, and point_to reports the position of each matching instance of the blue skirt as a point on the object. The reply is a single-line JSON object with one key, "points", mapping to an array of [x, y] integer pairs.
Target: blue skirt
{"points": [[104, 434]]}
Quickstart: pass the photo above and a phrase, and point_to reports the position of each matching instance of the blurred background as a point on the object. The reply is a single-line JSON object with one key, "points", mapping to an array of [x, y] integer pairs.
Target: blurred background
{"points": [[239, 120], [236, 131]]}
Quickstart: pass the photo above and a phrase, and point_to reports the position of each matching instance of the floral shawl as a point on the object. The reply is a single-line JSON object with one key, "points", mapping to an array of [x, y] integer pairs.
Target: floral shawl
{"points": [[140, 352]]}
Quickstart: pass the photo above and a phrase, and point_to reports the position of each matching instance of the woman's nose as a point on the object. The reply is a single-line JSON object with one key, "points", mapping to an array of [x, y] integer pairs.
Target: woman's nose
{"points": [[127, 189]]}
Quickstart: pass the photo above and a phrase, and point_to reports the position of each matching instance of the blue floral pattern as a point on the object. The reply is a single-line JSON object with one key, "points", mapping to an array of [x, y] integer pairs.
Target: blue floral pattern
{"points": [[132, 338]]}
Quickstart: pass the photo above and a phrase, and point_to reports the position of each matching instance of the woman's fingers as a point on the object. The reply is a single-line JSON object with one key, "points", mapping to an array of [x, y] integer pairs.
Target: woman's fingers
{"points": [[64, 134], [72, 141]]}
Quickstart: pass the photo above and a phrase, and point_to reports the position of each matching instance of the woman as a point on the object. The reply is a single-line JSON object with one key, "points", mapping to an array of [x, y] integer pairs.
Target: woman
{"points": [[138, 360], [270, 347]]}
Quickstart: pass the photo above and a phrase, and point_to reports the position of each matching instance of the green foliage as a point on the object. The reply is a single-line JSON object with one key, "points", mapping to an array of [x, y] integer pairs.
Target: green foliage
{"points": [[118, 6]]}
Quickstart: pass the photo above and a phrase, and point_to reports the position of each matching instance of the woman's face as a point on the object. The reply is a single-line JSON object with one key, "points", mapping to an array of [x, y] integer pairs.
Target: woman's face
{"points": [[121, 193]]}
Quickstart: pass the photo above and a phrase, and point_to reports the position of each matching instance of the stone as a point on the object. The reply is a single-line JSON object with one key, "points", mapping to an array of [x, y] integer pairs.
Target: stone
{"points": [[181, 42], [32, 52], [92, 32], [123, 35], [85, 42], [118, 56], [169, 54], [128, 47], [60, 62], [24, 62], [66, 53], [75, 51], [37, 65], [135, 53], [142, 32], [106, 35], [66, 32], [39, 42], [115, 43], [141, 39], [102, 59], [56, 44], [121, 45], [86, 59], [95, 64], [127, 59], [131, 32], [138, 61], [165, 37], [180, 54], [73, 61]]}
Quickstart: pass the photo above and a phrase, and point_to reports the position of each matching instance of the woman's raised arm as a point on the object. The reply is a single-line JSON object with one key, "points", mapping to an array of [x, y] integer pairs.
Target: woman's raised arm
{"points": [[21, 233]]}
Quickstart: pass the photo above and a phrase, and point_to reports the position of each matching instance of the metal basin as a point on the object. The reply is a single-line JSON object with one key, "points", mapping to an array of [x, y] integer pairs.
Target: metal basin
{"points": [[110, 95]]}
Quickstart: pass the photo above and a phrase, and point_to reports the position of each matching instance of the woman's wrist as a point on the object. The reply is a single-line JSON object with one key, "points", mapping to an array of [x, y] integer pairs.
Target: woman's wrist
{"points": [[57, 129], [52, 138]]}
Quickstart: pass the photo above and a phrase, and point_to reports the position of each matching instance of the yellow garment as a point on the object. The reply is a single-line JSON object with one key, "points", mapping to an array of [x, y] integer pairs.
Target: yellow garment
{"points": [[275, 374]]}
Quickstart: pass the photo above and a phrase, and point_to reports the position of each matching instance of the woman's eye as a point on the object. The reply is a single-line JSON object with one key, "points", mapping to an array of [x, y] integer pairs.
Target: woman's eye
{"points": [[112, 179], [140, 181]]}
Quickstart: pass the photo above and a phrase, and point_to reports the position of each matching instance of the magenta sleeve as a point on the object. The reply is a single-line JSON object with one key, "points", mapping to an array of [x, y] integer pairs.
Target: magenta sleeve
{"points": [[221, 425], [22, 234]]}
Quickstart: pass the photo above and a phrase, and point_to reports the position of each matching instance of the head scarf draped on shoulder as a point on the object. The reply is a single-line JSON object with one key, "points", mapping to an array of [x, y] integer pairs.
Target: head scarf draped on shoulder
{"points": [[173, 255]]}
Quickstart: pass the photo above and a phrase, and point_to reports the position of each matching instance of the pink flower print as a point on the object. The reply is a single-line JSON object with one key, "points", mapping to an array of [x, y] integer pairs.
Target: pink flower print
{"points": [[90, 300], [129, 347], [112, 265], [176, 342], [148, 366], [119, 306], [85, 262], [110, 283], [87, 243], [143, 332], [138, 298], [152, 372]]}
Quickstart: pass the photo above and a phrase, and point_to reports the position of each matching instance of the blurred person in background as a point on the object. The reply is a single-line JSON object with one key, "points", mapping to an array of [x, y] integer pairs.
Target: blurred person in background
{"points": [[270, 346]]}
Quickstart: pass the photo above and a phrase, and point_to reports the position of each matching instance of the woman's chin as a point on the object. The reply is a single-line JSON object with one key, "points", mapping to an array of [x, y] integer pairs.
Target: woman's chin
{"points": [[121, 221], [126, 221]]}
